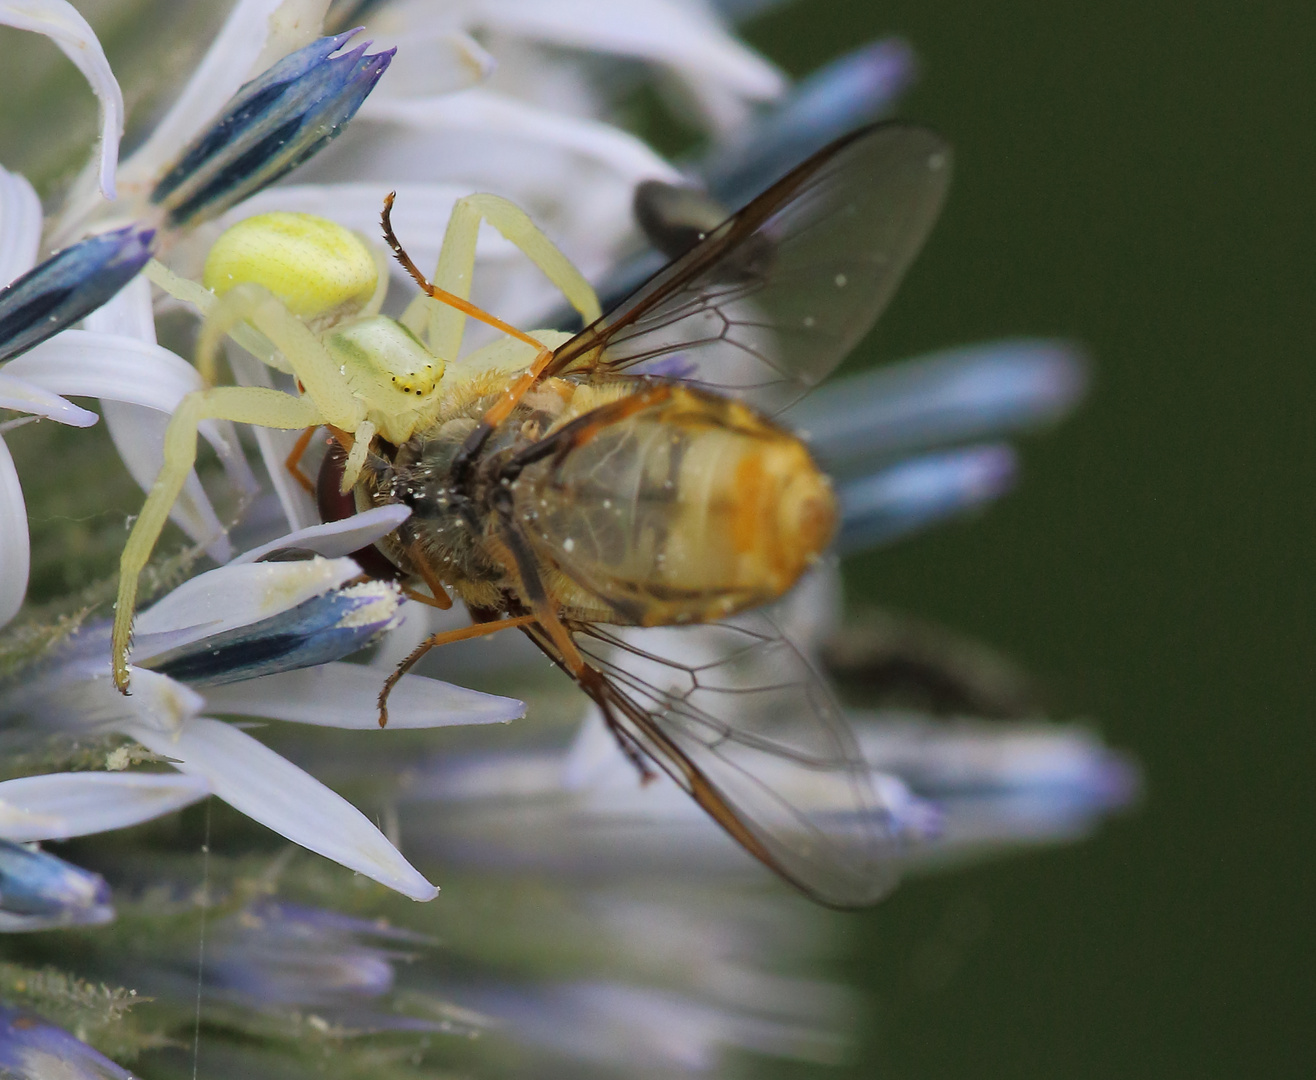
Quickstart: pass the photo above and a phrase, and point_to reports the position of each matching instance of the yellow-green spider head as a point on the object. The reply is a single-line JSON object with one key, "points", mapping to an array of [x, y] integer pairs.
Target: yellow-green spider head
{"points": [[321, 271], [325, 276], [390, 370]]}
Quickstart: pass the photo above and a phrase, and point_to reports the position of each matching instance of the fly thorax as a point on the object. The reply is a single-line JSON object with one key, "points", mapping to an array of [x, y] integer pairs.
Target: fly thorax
{"points": [[444, 524], [389, 369]]}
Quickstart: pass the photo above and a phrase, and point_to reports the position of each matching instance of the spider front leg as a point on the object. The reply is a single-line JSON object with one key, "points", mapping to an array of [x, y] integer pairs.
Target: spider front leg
{"points": [[240, 404], [443, 323], [452, 283], [320, 375], [300, 349]]}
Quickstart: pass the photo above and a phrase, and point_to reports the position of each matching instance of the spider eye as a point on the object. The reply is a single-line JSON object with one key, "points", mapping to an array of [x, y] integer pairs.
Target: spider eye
{"points": [[320, 270], [385, 365]]}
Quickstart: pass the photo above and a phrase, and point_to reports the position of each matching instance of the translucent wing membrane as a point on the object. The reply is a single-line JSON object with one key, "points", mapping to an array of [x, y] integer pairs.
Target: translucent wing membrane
{"points": [[768, 303], [735, 714]]}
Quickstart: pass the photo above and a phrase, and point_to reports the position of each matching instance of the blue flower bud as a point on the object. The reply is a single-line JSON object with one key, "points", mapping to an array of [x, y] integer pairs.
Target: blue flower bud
{"points": [[1000, 785], [69, 286], [970, 392], [914, 494], [39, 891], [851, 91], [280, 954], [32, 1049], [322, 629], [271, 125]]}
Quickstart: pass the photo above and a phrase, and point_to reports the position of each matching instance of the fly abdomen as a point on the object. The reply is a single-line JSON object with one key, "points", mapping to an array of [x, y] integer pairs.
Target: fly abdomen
{"points": [[685, 510]]}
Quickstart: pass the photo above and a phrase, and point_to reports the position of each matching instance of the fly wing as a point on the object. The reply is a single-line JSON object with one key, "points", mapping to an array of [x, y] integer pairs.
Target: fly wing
{"points": [[738, 717], [768, 303]]}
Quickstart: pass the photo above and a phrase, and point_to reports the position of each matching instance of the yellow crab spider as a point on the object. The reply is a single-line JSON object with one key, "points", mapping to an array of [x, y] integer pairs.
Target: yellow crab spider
{"points": [[312, 290]]}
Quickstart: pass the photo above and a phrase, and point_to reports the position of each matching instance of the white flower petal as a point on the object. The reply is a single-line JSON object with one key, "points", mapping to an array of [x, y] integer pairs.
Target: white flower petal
{"points": [[79, 695], [680, 37], [20, 226], [15, 550], [138, 431], [334, 538], [117, 368], [23, 396], [492, 113], [295, 23], [225, 67], [255, 780], [235, 596], [60, 21], [432, 60], [156, 702], [716, 106], [108, 366], [346, 696], [421, 208], [128, 312], [60, 805]]}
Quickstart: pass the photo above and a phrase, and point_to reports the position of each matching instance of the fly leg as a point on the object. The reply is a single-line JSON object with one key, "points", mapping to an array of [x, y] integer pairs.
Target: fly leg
{"points": [[591, 680], [552, 636], [293, 462], [446, 637], [438, 597]]}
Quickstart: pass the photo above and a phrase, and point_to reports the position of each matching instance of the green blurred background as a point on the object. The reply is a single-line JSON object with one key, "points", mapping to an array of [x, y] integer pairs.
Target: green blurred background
{"points": [[1137, 177]]}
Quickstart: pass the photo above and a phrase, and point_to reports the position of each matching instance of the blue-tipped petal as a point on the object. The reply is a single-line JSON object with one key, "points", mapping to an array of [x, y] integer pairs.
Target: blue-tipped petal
{"points": [[271, 125], [69, 286], [39, 891], [738, 10], [946, 397], [849, 92], [32, 1049], [323, 924], [278, 954], [325, 628], [914, 494], [1001, 785]]}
